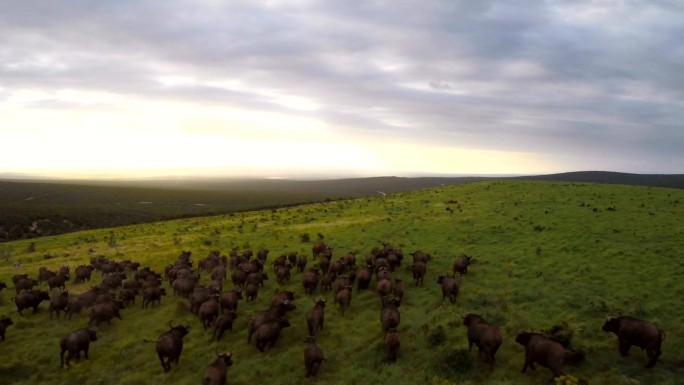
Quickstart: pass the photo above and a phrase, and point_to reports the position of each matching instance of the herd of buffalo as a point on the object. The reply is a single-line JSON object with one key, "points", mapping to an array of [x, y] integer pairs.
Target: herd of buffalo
{"points": [[124, 281]]}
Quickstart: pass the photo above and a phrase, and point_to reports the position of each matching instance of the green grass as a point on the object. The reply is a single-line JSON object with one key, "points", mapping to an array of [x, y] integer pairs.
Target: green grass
{"points": [[545, 253]]}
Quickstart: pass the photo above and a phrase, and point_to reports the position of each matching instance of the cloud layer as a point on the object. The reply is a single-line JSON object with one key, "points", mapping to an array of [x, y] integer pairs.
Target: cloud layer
{"points": [[580, 84]]}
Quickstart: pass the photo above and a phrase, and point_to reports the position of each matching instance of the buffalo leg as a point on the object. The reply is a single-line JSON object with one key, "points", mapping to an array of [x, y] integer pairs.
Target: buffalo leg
{"points": [[652, 357], [624, 348]]}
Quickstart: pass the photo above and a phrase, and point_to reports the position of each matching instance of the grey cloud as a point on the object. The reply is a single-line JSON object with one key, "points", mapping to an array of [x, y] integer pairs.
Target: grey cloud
{"points": [[517, 76]]}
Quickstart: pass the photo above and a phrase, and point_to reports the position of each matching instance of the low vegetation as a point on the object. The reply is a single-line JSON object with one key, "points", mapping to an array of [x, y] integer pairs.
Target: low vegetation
{"points": [[549, 256]]}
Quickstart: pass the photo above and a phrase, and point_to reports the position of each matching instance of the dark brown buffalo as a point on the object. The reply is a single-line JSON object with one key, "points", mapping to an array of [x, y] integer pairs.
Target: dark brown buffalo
{"points": [[283, 274], [450, 287], [419, 256], [200, 295], [419, 269], [392, 342], [183, 287], [217, 372], [485, 336], [4, 324], [301, 263], [29, 299], [262, 254], [17, 277], [546, 352], [319, 248], [326, 282], [461, 265], [349, 261], [224, 322], [285, 295], [398, 288], [89, 297], [384, 287], [268, 333], [364, 277], [336, 268], [310, 281], [58, 281], [344, 298], [315, 317], [272, 314], [3, 285], [170, 345], [258, 278], [76, 342], [152, 295], [25, 284], [208, 311], [633, 331], [105, 312], [313, 357], [239, 277], [127, 296], [74, 306], [229, 300], [59, 304], [251, 291], [44, 274], [114, 280], [83, 273], [390, 316]]}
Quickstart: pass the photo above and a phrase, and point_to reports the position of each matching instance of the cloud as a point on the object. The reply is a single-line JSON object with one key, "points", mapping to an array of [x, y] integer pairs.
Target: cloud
{"points": [[590, 83]]}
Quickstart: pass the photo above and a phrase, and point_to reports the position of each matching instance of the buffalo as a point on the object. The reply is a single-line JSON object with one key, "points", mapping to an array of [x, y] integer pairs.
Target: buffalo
{"points": [[313, 357], [25, 284], [344, 298], [3, 285], [392, 342], [251, 291], [29, 299], [223, 322], [486, 336], [208, 311], [461, 265], [398, 289], [546, 352], [217, 371], [364, 277], [310, 281], [315, 317], [285, 295], [632, 331], [151, 295], [105, 312], [419, 270], [59, 304], [384, 287], [268, 333], [170, 345], [83, 273], [229, 300], [4, 324], [75, 342], [450, 287], [301, 263], [390, 316], [58, 281], [272, 314]]}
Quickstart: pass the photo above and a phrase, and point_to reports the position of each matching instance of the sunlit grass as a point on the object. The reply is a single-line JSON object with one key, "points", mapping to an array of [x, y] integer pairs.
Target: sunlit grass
{"points": [[545, 253]]}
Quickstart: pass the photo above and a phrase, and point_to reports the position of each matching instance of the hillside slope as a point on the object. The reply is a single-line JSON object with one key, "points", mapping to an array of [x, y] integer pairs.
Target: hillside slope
{"points": [[546, 254]]}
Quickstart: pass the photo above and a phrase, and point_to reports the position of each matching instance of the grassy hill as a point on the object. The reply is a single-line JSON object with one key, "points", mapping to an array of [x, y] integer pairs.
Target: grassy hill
{"points": [[547, 253], [30, 209]]}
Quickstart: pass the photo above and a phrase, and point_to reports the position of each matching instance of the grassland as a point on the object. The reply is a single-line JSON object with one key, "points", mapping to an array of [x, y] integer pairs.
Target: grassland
{"points": [[546, 253]]}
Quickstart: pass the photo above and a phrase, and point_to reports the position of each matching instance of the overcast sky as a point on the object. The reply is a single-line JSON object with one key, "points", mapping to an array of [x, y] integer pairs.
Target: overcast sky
{"points": [[355, 87]]}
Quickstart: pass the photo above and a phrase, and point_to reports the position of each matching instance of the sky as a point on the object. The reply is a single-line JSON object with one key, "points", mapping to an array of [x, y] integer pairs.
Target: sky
{"points": [[296, 87]]}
